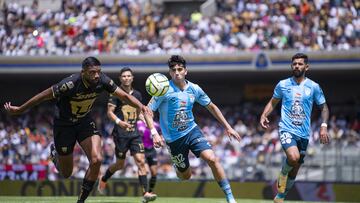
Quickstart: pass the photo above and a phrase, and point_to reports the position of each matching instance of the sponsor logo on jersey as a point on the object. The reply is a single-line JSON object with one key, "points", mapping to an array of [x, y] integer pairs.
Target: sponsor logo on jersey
{"points": [[85, 96]]}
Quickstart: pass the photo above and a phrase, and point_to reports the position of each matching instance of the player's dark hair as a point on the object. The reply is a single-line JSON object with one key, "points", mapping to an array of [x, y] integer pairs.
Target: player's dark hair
{"points": [[90, 61], [176, 59], [300, 56], [126, 69]]}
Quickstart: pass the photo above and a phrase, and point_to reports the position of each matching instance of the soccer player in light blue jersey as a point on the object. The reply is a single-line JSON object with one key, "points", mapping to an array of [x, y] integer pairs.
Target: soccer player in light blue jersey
{"points": [[298, 94], [179, 129]]}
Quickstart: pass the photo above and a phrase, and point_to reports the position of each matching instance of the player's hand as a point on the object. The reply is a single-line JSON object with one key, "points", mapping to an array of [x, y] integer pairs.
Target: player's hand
{"points": [[324, 137], [12, 110], [158, 140], [264, 122], [124, 125], [232, 133]]}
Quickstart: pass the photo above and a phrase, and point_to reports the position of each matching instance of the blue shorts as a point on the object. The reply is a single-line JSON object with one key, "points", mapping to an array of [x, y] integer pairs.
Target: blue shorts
{"points": [[179, 149], [287, 140]]}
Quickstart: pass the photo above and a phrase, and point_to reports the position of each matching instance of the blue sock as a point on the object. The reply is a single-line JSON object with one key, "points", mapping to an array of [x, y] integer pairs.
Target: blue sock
{"points": [[225, 186], [289, 183], [286, 168]]}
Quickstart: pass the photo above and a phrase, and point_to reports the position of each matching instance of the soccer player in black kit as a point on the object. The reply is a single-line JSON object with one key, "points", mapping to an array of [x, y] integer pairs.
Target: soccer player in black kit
{"points": [[126, 136], [75, 96]]}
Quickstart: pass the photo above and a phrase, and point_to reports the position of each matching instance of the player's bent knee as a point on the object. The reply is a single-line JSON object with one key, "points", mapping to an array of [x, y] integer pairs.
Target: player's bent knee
{"points": [[142, 167], [293, 159], [212, 160], [184, 175], [96, 161]]}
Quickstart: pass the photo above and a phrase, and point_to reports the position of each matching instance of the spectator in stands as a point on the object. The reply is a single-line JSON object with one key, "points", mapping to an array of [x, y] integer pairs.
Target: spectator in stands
{"points": [[131, 28]]}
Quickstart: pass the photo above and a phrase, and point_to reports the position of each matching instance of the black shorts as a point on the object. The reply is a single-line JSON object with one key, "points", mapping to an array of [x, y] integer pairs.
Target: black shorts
{"points": [[123, 144], [65, 136], [150, 156]]}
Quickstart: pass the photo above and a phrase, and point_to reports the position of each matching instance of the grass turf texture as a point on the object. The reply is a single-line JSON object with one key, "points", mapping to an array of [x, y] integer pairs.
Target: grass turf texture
{"points": [[105, 199]]}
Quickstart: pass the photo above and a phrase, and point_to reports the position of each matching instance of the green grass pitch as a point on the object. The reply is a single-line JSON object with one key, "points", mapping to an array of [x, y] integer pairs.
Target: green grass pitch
{"points": [[105, 199]]}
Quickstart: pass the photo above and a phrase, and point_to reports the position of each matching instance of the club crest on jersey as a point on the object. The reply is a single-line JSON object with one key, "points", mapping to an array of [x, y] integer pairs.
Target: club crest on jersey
{"points": [[307, 91], [192, 98], [64, 149]]}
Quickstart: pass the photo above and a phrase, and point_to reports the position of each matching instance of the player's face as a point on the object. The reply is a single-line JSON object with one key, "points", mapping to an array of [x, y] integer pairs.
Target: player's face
{"points": [[92, 74], [126, 78], [299, 67], [178, 72]]}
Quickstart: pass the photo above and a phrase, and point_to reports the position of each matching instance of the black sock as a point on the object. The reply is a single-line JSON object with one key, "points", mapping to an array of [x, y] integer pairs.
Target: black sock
{"points": [[143, 183], [107, 175], [86, 188], [152, 183]]}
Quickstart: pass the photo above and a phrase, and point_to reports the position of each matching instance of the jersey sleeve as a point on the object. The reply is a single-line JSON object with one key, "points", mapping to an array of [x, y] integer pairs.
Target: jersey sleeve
{"points": [[108, 83], [64, 87], [138, 96], [201, 97], [278, 94], [319, 95], [155, 102], [112, 100]]}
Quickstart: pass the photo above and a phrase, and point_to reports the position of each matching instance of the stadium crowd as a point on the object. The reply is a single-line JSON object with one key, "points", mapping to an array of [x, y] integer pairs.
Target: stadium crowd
{"points": [[25, 140], [137, 26]]}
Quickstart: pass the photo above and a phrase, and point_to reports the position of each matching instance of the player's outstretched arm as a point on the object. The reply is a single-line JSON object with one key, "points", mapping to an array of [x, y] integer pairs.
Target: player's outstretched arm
{"points": [[121, 94], [35, 100], [324, 137], [215, 111], [132, 101], [270, 106]]}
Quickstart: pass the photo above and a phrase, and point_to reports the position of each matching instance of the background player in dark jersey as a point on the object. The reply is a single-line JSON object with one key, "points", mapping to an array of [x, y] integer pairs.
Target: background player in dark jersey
{"points": [[126, 135], [75, 96], [150, 152]]}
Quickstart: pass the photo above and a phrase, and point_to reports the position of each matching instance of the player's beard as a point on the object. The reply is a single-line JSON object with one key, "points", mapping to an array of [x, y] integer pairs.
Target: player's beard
{"points": [[298, 74], [92, 82]]}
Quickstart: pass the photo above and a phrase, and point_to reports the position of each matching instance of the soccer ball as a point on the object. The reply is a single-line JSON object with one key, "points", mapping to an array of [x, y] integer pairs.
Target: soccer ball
{"points": [[157, 84]]}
